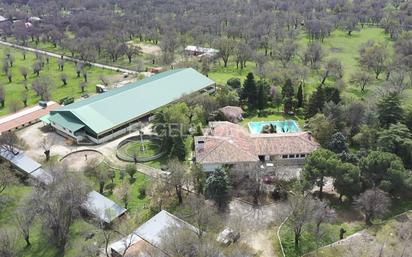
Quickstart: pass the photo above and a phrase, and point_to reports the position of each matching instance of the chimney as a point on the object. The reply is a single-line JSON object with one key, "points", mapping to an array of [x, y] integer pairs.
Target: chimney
{"points": [[310, 136], [200, 145]]}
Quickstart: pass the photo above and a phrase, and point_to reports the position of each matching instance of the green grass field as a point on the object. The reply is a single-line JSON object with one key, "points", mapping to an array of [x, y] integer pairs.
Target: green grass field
{"points": [[339, 45], [13, 91]]}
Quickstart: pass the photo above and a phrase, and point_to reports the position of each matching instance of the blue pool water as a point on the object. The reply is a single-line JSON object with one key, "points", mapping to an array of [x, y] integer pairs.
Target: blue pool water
{"points": [[286, 126]]}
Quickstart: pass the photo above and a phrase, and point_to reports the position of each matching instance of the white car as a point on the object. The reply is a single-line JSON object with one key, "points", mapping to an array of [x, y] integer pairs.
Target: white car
{"points": [[228, 236]]}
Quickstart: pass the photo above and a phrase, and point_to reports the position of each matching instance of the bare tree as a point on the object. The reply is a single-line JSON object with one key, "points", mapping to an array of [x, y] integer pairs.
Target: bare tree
{"points": [[203, 215], [63, 78], [124, 193], [37, 67], [59, 203], [47, 144], [2, 96], [301, 210], [24, 97], [24, 218], [24, 72], [43, 86], [9, 142], [8, 243], [361, 79], [373, 203], [14, 105], [178, 177], [6, 177], [83, 86]]}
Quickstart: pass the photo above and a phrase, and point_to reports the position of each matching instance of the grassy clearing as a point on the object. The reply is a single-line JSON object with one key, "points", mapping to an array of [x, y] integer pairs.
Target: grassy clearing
{"points": [[309, 242], [72, 89], [151, 148], [11, 198]]}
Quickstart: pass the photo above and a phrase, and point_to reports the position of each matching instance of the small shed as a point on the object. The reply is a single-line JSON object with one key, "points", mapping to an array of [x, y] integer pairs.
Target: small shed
{"points": [[149, 234], [20, 161], [102, 207]]}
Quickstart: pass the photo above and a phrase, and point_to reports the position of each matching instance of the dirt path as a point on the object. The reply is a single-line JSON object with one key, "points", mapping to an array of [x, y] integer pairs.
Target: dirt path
{"points": [[261, 242], [99, 65]]}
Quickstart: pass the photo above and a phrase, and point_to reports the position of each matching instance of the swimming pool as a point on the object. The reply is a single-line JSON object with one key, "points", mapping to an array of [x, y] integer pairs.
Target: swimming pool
{"points": [[285, 126]]}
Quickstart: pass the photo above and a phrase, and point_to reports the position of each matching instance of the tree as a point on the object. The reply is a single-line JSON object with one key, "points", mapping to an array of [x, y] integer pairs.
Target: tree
{"points": [[131, 170], [178, 148], [2, 96], [250, 90], [285, 51], [322, 213], [347, 180], [299, 97], [178, 177], [24, 218], [9, 142], [8, 243], [322, 129], [131, 51], [318, 165], [316, 102], [217, 187], [390, 110], [124, 193], [24, 72], [43, 86], [338, 143], [58, 204], [243, 54], [373, 56], [314, 55], [226, 48], [262, 94], [397, 139], [373, 203], [47, 144], [301, 210], [385, 171], [234, 83], [63, 78], [83, 86], [203, 215], [37, 67], [361, 79], [6, 177]]}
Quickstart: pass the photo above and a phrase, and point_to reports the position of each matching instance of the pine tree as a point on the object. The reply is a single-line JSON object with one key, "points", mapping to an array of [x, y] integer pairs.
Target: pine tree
{"points": [[287, 89], [178, 149], [299, 97], [262, 95], [390, 110], [316, 102], [217, 187], [250, 90]]}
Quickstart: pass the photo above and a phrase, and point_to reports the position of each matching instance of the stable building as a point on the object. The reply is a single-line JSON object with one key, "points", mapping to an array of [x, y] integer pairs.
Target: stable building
{"points": [[103, 117]]}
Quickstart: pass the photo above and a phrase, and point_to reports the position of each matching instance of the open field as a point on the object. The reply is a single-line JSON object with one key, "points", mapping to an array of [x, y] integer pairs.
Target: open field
{"points": [[390, 238], [13, 90]]}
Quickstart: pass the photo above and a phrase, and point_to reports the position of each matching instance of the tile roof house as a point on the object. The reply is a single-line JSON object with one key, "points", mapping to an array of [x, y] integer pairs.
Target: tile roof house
{"points": [[229, 143]]}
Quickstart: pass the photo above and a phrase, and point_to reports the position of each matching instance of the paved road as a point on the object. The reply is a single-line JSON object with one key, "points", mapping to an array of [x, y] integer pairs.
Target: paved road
{"points": [[99, 65]]}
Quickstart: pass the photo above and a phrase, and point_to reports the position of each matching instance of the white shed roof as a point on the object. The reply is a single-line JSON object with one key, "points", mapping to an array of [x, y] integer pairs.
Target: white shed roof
{"points": [[102, 207]]}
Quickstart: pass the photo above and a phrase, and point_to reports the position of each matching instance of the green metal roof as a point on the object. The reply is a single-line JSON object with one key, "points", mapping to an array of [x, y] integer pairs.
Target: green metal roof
{"points": [[105, 111], [66, 120], [45, 118]]}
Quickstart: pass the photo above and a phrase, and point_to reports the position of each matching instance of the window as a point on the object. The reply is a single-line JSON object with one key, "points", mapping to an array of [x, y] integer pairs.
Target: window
{"points": [[302, 156], [291, 156], [284, 156]]}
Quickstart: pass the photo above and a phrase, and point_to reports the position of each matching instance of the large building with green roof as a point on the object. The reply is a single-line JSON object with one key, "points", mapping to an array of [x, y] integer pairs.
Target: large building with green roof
{"points": [[113, 113]]}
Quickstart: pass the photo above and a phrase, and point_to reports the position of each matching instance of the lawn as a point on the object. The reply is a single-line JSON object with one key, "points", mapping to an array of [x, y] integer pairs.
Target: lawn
{"points": [[309, 242], [151, 148], [13, 90], [11, 198]]}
